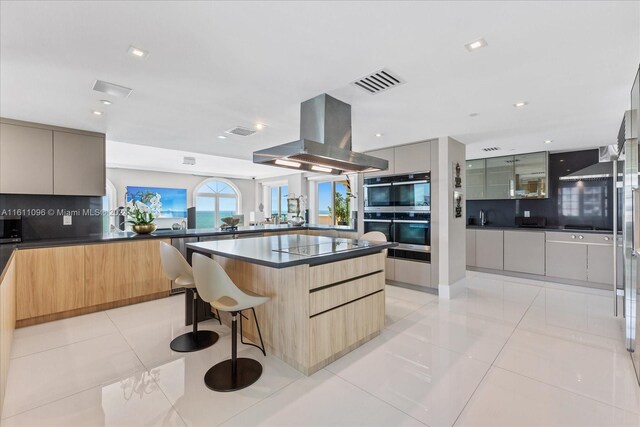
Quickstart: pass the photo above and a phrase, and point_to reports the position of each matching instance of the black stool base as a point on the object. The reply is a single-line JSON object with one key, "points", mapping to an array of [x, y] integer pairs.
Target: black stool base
{"points": [[220, 377], [189, 342]]}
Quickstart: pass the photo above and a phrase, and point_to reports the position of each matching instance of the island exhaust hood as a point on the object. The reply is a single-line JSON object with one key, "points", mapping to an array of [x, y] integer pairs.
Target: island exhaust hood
{"points": [[601, 170], [324, 144]]}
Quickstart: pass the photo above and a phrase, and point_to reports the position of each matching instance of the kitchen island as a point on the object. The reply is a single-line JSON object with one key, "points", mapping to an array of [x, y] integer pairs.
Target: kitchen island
{"points": [[327, 294]]}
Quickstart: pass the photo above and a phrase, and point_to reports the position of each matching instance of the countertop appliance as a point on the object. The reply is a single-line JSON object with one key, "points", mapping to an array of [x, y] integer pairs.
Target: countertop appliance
{"points": [[324, 144], [10, 229]]}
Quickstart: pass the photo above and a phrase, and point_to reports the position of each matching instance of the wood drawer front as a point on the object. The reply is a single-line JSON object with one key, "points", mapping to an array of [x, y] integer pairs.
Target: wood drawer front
{"points": [[327, 274], [413, 272], [108, 273], [336, 330], [50, 280], [328, 298], [147, 274]]}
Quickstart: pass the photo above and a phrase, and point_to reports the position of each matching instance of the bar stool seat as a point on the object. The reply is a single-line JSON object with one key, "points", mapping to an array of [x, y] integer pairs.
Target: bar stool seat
{"points": [[177, 268], [216, 287]]}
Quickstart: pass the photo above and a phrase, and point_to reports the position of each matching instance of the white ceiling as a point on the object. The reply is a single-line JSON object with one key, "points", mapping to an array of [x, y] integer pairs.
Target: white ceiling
{"points": [[213, 66]]}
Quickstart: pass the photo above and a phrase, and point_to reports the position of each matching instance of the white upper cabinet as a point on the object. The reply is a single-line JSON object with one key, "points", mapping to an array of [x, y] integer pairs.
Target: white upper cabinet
{"points": [[412, 158], [42, 159], [78, 164], [387, 154], [404, 159], [26, 160]]}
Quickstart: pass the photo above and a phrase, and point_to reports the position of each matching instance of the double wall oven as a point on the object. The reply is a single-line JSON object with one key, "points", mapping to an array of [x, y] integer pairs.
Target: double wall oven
{"points": [[400, 207]]}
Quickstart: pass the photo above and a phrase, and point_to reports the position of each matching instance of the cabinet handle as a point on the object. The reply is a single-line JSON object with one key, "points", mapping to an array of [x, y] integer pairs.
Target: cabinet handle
{"points": [[580, 237], [573, 236], [606, 238]]}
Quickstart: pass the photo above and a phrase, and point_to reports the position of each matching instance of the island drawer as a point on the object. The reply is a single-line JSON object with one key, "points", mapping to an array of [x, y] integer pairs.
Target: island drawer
{"points": [[327, 298], [340, 271], [336, 332]]}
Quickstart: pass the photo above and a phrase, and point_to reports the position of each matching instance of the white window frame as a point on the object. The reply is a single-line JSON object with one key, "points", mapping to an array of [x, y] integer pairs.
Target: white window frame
{"points": [[218, 196]]}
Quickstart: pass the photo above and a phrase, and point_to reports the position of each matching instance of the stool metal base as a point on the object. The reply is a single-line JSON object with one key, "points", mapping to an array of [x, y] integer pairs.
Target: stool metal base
{"points": [[194, 341], [221, 378]]}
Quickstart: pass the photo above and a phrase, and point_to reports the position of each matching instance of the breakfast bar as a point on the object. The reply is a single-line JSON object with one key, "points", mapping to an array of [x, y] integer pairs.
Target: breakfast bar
{"points": [[327, 294]]}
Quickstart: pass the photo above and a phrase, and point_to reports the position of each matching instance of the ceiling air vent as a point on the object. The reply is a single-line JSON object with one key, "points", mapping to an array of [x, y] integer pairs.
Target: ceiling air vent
{"points": [[112, 89], [189, 161], [377, 82], [240, 131], [490, 149]]}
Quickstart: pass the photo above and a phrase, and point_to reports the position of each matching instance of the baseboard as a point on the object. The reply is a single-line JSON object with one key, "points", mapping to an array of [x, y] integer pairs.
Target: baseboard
{"points": [[452, 290]]}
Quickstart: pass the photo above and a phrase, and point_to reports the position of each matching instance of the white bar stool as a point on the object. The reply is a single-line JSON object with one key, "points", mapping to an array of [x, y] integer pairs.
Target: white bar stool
{"points": [[374, 236], [178, 269], [217, 288]]}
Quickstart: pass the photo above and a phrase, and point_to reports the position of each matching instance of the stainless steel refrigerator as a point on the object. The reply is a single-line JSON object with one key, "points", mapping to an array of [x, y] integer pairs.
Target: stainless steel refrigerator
{"points": [[628, 138]]}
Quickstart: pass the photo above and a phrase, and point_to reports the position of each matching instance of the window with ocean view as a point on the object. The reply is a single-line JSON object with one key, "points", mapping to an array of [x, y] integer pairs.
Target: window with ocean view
{"points": [[279, 202], [334, 206], [215, 199]]}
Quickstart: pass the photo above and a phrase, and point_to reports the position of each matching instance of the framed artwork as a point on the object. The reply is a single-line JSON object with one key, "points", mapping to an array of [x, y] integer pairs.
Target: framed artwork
{"points": [[167, 202], [293, 206], [457, 204]]}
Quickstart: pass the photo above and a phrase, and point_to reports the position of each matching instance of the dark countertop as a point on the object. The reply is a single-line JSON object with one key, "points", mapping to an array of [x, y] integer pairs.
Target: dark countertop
{"points": [[559, 228], [7, 249], [268, 250]]}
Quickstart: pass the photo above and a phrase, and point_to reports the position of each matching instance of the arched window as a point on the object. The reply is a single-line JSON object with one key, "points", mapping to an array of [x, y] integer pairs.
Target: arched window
{"points": [[214, 199]]}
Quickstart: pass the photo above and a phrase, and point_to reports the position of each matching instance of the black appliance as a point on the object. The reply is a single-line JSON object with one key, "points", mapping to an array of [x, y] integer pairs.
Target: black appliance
{"points": [[412, 192], [405, 192], [412, 231], [378, 194], [10, 229], [379, 221], [531, 222]]}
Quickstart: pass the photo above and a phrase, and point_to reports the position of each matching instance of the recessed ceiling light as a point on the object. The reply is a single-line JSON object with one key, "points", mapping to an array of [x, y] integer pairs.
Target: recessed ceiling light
{"points": [[548, 141], [137, 52], [473, 115], [320, 168], [222, 137], [259, 126], [287, 163], [520, 104], [561, 160], [475, 45], [105, 101], [97, 113], [379, 135]]}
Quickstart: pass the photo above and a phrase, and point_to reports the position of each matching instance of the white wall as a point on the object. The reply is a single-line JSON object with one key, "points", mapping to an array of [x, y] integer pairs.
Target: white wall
{"points": [[121, 178], [448, 232]]}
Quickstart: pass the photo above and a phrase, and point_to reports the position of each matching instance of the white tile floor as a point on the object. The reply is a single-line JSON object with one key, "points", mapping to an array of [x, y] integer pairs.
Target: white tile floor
{"points": [[507, 352]]}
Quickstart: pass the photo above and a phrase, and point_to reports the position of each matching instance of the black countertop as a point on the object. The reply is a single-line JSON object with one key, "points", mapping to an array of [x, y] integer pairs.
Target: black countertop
{"points": [[539, 229], [271, 251], [7, 249]]}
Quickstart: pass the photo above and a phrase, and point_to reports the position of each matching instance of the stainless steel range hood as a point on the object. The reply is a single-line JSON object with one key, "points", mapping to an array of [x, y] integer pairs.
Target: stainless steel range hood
{"points": [[324, 144], [601, 170]]}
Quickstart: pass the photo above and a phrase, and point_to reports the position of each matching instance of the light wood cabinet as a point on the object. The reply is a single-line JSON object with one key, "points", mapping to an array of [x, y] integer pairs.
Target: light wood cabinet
{"points": [[386, 154], [26, 160], [107, 273], [146, 268], [390, 268], [7, 321], [78, 164], [524, 251], [118, 271], [412, 158], [49, 280], [490, 249]]}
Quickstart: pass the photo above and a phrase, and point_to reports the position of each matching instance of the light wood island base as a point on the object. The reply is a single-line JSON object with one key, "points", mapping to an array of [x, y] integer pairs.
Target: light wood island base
{"points": [[316, 313]]}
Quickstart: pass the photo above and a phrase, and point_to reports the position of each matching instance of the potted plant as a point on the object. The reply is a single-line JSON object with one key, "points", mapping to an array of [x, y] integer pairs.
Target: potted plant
{"points": [[341, 211], [141, 210]]}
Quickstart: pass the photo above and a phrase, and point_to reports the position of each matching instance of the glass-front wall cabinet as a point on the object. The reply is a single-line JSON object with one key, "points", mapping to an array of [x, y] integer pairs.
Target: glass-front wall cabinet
{"points": [[531, 175], [500, 182], [524, 176], [475, 179]]}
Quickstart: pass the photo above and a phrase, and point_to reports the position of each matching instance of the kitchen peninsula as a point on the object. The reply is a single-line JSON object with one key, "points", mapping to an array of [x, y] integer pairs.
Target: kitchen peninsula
{"points": [[327, 294]]}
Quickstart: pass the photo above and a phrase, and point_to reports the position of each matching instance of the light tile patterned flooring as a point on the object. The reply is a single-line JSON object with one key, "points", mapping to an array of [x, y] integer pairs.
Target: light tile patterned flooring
{"points": [[506, 352]]}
